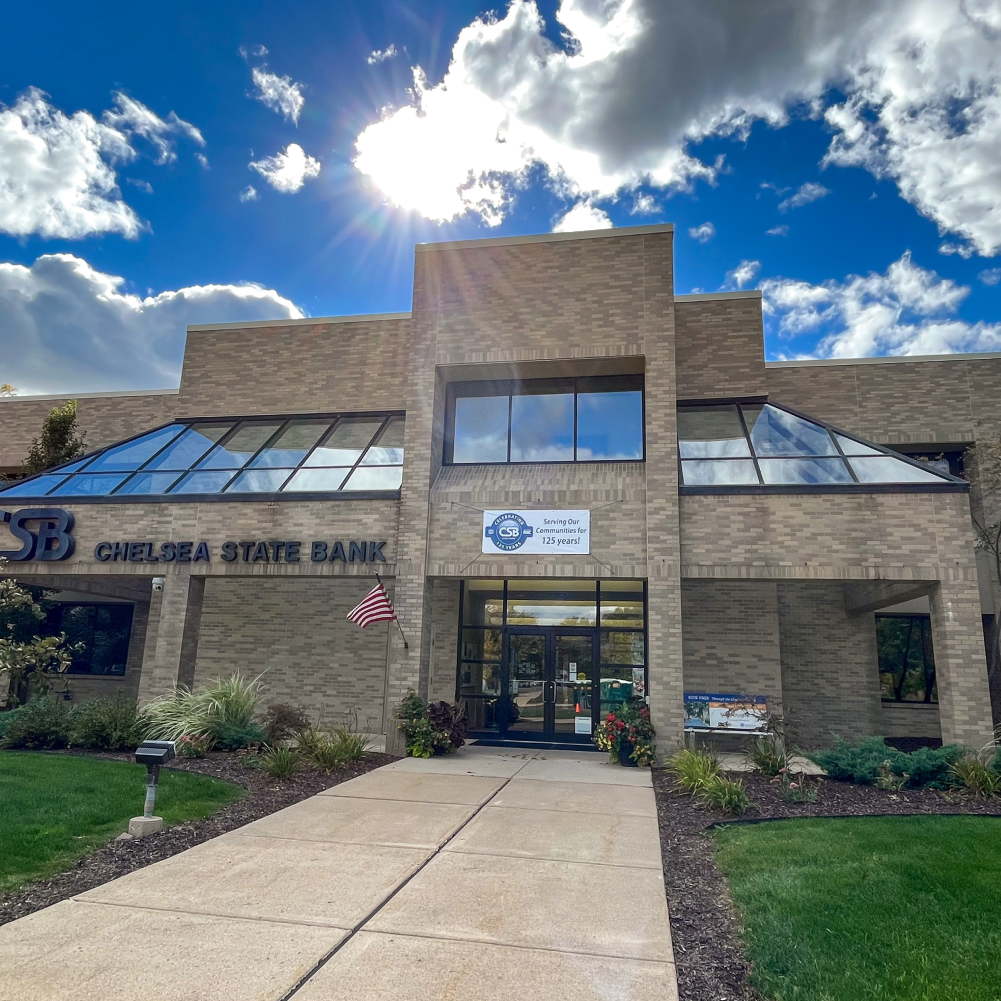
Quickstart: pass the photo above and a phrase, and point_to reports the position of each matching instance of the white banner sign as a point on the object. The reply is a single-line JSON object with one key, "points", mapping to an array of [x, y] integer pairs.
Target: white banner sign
{"points": [[537, 532]]}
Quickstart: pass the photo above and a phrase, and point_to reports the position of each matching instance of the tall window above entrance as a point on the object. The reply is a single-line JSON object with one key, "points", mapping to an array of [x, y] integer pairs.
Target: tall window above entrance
{"points": [[546, 420], [541, 659]]}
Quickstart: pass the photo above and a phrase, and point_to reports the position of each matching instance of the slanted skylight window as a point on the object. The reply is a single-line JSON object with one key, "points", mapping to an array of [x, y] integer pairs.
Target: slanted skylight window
{"points": [[237, 459], [761, 444]]}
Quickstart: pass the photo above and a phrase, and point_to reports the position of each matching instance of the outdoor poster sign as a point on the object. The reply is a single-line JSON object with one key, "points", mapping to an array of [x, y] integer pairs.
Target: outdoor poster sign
{"points": [[537, 532], [724, 711]]}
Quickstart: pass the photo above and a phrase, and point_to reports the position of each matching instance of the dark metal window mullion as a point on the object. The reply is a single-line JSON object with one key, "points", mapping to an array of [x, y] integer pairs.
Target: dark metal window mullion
{"points": [[844, 458], [324, 435], [510, 435], [365, 450], [575, 420], [750, 444], [278, 433]]}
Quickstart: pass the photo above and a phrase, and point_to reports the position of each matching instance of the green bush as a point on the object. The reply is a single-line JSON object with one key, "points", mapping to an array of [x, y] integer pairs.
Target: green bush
{"points": [[39, 724], [729, 796], [438, 728], [236, 736], [105, 724], [353, 746], [280, 763], [694, 770], [192, 746], [6, 718], [870, 761]]}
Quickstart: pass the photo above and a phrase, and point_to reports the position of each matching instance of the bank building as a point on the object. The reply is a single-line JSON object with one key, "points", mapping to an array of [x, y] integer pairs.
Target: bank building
{"points": [[576, 486]]}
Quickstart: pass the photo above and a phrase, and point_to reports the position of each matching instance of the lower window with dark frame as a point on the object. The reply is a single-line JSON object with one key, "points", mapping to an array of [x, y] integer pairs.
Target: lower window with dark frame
{"points": [[103, 631], [906, 658]]}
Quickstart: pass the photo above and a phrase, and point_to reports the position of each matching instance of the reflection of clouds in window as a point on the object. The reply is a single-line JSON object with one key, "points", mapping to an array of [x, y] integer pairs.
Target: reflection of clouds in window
{"points": [[609, 426], [480, 429], [777, 432], [542, 428], [717, 472], [711, 432]]}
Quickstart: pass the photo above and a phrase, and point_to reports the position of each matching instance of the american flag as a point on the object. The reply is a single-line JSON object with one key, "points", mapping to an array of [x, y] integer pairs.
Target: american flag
{"points": [[374, 607]]}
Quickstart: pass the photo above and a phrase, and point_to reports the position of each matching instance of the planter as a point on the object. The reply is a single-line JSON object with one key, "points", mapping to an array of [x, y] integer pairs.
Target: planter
{"points": [[625, 749]]}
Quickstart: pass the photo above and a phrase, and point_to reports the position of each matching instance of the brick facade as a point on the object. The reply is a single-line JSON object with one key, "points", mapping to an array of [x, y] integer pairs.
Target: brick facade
{"points": [[745, 591]]}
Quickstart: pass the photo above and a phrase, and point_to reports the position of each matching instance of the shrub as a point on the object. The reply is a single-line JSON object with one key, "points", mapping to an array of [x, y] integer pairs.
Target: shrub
{"points": [[280, 763], [726, 795], [768, 756], [694, 770], [309, 740], [40, 723], [283, 721], [105, 724], [353, 745], [627, 731], [439, 728], [971, 773], [328, 756], [6, 718], [233, 700], [193, 746], [235, 737], [870, 761]]}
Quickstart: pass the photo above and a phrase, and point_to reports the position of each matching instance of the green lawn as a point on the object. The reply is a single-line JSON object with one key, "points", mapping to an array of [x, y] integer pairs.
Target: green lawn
{"points": [[55, 808], [900, 908]]}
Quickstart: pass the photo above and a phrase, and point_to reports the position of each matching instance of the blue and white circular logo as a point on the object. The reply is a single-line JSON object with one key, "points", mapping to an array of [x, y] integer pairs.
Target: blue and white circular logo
{"points": [[508, 531]]}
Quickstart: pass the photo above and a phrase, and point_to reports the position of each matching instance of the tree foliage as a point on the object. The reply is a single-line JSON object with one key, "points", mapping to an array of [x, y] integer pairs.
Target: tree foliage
{"points": [[58, 442], [28, 662], [6, 389]]}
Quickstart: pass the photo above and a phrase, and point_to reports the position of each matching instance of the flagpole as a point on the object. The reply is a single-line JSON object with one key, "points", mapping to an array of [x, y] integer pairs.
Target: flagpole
{"points": [[406, 645]]}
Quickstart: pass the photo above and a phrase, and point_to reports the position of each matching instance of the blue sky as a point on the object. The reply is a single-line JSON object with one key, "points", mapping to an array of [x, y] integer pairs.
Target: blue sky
{"points": [[818, 146]]}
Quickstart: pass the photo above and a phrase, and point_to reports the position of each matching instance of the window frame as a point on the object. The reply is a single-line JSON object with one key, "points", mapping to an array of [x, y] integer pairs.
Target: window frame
{"points": [[221, 496], [948, 484], [57, 628], [494, 388], [925, 618]]}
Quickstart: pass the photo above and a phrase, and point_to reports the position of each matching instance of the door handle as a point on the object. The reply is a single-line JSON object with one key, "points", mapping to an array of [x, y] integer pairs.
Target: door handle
{"points": [[550, 688]]}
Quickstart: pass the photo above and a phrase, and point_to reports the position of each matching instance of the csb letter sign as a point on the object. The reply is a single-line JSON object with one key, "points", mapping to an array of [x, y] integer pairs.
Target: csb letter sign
{"points": [[50, 541]]}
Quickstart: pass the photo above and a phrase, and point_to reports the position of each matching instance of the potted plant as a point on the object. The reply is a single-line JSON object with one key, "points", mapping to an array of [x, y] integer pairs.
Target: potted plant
{"points": [[627, 734]]}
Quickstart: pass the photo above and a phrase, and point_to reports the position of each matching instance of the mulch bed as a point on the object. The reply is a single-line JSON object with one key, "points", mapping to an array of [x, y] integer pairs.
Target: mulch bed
{"points": [[264, 796], [710, 957]]}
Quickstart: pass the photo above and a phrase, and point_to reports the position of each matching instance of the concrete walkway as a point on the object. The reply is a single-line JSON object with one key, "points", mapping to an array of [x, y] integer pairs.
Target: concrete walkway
{"points": [[493, 874]]}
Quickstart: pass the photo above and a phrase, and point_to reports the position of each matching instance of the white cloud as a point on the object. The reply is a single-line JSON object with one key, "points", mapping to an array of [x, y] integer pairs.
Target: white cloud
{"points": [[742, 274], [57, 171], [703, 233], [583, 216], [782, 230], [249, 194], [381, 55], [644, 205], [289, 170], [65, 327], [141, 185], [639, 81], [203, 160], [806, 193], [134, 118], [906, 311], [963, 249], [990, 276], [279, 93]]}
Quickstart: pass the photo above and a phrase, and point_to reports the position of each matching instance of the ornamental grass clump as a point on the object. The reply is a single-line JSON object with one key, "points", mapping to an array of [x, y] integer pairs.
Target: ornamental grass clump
{"points": [[977, 776], [729, 796], [768, 756], [280, 763], [694, 771], [627, 733]]}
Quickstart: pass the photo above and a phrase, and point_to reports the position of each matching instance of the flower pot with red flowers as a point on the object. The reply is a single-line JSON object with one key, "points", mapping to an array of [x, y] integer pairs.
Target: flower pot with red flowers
{"points": [[627, 734]]}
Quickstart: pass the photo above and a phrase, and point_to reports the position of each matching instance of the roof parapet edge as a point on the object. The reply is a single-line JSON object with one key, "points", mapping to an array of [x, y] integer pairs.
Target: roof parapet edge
{"points": [[306, 321], [511, 241], [111, 394], [752, 293], [887, 360]]}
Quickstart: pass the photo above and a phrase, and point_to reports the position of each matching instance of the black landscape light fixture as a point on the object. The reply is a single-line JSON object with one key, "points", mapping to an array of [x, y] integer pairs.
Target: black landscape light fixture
{"points": [[152, 754]]}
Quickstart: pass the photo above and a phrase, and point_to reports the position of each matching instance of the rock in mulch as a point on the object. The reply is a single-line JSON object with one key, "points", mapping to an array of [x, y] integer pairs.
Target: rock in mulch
{"points": [[125, 854], [711, 962]]}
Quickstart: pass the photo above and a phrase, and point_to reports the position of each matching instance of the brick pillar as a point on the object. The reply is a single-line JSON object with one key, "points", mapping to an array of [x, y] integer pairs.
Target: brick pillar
{"points": [[960, 664], [172, 640], [664, 654]]}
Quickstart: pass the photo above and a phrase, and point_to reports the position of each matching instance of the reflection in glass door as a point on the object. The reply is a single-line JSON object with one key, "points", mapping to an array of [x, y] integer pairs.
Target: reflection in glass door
{"points": [[527, 688], [572, 677]]}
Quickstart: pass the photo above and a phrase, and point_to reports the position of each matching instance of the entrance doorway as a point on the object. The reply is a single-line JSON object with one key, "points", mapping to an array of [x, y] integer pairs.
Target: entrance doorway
{"points": [[549, 680], [543, 660]]}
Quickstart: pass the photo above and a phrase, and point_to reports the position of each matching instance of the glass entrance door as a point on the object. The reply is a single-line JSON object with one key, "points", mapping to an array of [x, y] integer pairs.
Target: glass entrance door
{"points": [[549, 679]]}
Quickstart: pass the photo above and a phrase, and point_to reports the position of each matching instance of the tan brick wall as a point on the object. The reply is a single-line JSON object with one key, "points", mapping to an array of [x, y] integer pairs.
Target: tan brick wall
{"points": [[294, 633], [720, 348], [105, 420], [731, 638], [445, 618], [830, 676], [322, 367]]}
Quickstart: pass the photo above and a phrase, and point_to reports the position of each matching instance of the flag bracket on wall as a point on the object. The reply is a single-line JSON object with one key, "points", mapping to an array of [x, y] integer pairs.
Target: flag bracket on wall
{"points": [[376, 607]]}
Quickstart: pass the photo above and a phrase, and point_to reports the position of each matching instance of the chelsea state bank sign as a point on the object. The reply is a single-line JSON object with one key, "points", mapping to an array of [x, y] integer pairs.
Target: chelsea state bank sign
{"points": [[46, 533]]}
